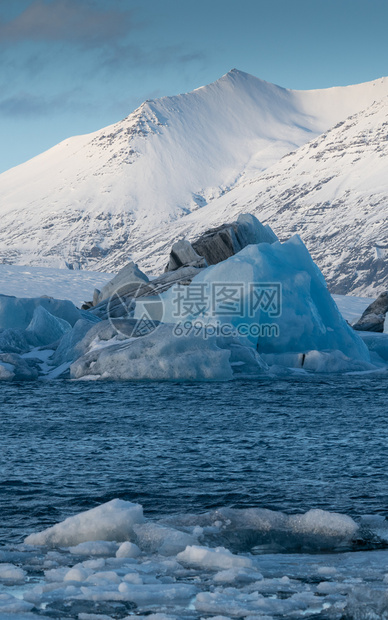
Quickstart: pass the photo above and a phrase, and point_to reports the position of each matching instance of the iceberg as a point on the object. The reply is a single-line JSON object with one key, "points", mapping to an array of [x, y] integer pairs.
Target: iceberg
{"points": [[13, 341], [45, 328], [275, 311], [264, 309], [161, 355], [68, 348], [214, 559], [377, 344], [276, 293], [17, 312]]}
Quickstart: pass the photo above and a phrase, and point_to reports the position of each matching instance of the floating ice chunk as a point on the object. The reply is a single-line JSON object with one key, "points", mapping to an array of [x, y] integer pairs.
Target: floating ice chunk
{"points": [[133, 578], [214, 559], [366, 603], [153, 538], [111, 521], [77, 573], [156, 594], [330, 587], [95, 564], [45, 328], [218, 617], [128, 550], [240, 604], [56, 575], [157, 617], [104, 577], [95, 547], [10, 572], [326, 570], [99, 616], [238, 575], [253, 528], [252, 231], [375, 525], [11, 605], [51, 592]]}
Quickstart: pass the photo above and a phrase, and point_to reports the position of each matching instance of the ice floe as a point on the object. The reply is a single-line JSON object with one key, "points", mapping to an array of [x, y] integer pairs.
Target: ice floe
{"points": [[127, 565]]}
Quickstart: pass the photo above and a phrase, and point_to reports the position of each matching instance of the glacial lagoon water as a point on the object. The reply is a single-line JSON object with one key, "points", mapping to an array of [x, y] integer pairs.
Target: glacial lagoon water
{"points": [[288, 445]]}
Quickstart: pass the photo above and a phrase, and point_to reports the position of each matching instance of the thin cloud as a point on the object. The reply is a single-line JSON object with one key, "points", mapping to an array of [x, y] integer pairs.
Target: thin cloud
{"points": [[68, 21], [118, 56], [25, 104]]}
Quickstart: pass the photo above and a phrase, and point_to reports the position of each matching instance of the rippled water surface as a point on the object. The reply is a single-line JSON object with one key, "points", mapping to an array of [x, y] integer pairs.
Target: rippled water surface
{"points": [[287, 445]]}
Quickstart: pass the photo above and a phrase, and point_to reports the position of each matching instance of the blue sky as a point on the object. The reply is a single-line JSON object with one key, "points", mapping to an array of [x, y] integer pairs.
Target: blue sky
{"points": [[74, 66]]}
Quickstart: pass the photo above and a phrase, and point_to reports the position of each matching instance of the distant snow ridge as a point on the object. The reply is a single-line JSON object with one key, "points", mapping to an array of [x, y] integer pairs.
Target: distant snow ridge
{"points": [[180, 164]]}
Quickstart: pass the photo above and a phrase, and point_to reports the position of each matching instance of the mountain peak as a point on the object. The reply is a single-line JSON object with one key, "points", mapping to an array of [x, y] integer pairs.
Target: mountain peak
{"points": [[237, 74]]}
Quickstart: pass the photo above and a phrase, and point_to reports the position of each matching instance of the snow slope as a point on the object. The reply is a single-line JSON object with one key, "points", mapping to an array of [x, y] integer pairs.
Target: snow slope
{"points": [[93, 200], [332, 191]]}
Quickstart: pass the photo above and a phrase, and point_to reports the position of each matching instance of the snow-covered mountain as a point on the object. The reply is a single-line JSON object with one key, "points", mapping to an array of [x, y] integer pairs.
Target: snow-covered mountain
{"points": [[179, 164], [332, 191]]}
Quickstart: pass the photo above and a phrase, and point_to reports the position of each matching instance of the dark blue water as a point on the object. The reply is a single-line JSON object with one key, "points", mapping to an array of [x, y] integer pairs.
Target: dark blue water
{"points": [[287, 445]]}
